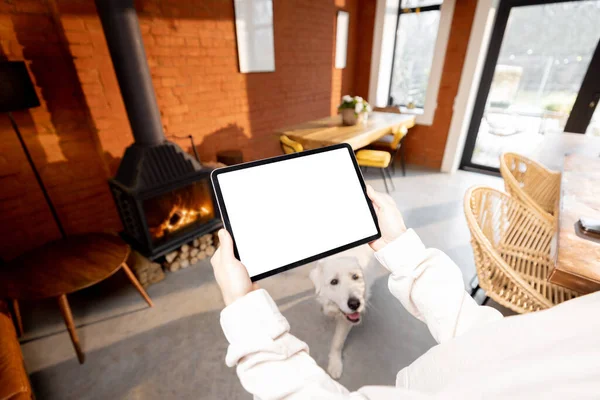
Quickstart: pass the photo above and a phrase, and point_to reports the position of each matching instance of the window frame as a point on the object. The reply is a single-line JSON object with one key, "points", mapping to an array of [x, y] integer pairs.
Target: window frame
{"points": [[402, 11]]}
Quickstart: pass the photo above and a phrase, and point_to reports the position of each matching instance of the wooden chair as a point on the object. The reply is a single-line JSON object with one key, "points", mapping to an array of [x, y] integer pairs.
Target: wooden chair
{"points": [[14, 382], [531, 183], [513, 246], [376, 159], [290, 146], [392, 142]]}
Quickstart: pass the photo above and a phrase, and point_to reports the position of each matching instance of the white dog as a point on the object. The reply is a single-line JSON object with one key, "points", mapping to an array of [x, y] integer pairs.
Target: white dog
{"points": [[342, 290]]}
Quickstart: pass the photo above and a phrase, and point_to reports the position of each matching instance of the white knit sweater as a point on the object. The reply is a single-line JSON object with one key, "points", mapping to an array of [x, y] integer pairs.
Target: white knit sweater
{"points": [[549, 354]]}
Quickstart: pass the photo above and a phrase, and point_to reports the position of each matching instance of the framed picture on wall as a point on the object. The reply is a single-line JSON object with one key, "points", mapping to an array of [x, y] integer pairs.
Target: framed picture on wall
{"points": [[341, 38], [254, 34]]}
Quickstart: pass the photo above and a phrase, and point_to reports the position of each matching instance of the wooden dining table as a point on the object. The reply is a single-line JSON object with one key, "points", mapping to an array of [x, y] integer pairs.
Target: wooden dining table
{"points": [[578, 253], [330, 130]]}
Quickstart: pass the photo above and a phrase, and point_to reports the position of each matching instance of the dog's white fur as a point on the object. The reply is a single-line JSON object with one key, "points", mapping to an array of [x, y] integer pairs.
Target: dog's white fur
{"points": [[348, 269]]}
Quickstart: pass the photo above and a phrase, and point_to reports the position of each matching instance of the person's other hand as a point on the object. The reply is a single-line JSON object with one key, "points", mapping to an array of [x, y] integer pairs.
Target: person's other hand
{"points": [[390, 220], [231, 275]]}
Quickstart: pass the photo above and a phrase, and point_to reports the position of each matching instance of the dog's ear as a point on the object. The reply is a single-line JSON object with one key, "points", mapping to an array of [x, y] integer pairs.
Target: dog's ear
{"points": [[315, 276]]}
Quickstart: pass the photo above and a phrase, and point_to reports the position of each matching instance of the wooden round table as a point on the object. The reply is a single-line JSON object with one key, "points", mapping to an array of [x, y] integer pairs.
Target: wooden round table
{"points": [[62, 267]]}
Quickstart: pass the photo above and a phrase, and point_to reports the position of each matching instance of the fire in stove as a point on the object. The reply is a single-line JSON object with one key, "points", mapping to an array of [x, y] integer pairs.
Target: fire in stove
{"points": [[178, 218], [179, 209]]}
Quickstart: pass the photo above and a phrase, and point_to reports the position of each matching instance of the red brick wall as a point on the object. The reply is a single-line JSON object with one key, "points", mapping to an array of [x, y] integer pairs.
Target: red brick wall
{"points": [[364, 47], [59, 136], [80, 132], [425, 144], [191, 49]]}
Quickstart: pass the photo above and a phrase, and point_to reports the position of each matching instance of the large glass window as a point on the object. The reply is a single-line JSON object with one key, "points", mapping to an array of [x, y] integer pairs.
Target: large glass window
{"points": [[416, 34], [545, 53]]}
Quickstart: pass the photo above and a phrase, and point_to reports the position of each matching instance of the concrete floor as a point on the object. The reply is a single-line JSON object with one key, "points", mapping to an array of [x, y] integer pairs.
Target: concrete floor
{"points": [[177, 350]]}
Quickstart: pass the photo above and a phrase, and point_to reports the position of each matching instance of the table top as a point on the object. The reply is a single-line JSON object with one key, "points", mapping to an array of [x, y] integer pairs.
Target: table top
{"points": [[578, 256], [63, 266], [330, 130]]}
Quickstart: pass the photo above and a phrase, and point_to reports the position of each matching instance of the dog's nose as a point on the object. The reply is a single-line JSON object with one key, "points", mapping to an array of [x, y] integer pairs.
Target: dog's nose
{"points": [[353, 303]]}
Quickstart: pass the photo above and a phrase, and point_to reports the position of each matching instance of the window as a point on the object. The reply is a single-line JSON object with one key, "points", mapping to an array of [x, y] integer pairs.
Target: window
{"points": [[410, 38], [414, 48]]}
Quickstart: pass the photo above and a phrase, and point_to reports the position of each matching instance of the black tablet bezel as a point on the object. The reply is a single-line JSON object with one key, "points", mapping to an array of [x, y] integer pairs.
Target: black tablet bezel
{"points": [[214, 177]]}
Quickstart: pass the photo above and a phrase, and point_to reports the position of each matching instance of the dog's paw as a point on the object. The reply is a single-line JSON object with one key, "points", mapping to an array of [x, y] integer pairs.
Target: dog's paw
{"points": [[335, 367]]}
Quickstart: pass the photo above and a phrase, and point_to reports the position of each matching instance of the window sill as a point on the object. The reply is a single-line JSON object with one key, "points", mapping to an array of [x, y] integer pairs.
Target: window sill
{"points": [[412, 111], [422, 117]]}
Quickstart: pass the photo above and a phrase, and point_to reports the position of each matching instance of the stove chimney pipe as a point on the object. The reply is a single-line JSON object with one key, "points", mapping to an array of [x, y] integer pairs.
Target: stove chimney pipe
{"points": [[124, 39]]}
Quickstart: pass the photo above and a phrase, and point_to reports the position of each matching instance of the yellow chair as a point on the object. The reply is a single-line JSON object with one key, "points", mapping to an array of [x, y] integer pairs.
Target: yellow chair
{"points": [[290, 146], [513, 249], [393, 141], [531, 183], [376, 159], [393, 144]]}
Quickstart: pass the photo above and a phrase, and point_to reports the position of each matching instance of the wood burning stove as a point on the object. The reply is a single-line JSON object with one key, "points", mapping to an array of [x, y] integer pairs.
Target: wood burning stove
{"points": [[163, 194], [166, 202]]}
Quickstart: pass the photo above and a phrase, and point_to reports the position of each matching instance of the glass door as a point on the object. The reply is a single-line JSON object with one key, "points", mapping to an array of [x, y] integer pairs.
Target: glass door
{"points": [[539, 55]]}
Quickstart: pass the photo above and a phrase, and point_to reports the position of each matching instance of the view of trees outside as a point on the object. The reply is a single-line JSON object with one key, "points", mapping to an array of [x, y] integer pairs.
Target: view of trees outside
{"points": [[415, 42], [545, 53], [419, 3]]}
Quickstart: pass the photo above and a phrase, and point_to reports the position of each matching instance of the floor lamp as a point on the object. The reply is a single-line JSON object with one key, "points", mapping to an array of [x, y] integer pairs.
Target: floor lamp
{"points": [[17, 93]]}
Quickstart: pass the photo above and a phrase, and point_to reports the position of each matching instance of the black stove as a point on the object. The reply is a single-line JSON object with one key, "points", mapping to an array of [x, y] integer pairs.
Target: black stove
{"points": [[163, 194]]}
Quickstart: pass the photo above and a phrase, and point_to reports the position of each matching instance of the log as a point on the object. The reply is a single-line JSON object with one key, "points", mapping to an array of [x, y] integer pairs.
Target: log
{"points": [[156, 278], [196, 243], [201, 255], [185, 263], [210, 250], [143, 268], [171, 256], [193, 260], [203, 246], [175, 266], [193, 252], [185, 248]]}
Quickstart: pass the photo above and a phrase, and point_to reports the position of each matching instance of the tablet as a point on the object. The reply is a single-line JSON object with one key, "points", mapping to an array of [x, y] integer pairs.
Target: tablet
{"points": [[290, 210]]}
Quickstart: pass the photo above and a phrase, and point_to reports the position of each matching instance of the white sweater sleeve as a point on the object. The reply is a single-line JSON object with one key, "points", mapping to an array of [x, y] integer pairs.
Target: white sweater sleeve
{"points": [[430, 286], [271, 363]]}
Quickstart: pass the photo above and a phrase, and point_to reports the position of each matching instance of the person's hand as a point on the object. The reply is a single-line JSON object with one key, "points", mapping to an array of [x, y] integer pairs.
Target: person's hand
{"points": [[231, 275], [390, 220]]}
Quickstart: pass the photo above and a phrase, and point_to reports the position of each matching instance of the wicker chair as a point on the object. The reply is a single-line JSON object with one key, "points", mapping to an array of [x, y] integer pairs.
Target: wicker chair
{"points": [[531, 183], [513, 246]]}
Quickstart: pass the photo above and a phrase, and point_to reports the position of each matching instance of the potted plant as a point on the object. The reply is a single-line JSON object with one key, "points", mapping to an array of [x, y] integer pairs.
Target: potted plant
{"points": [[354, 110]]}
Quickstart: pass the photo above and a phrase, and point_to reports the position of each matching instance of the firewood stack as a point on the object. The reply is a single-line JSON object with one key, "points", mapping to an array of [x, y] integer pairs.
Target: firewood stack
{"points": [[190, 253], [145, 270]]}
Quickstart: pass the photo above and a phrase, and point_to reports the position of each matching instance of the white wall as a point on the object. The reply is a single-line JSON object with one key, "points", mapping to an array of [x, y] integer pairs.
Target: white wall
{"points": [[464, 102], [386, 16]]}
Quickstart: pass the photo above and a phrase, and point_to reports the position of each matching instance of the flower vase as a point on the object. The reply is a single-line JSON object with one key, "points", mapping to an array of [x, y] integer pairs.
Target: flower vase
{"points": [[349, 117]]}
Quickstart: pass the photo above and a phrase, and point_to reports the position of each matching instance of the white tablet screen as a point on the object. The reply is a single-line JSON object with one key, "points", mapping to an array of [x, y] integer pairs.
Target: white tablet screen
{"points": [[287, 211]]}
